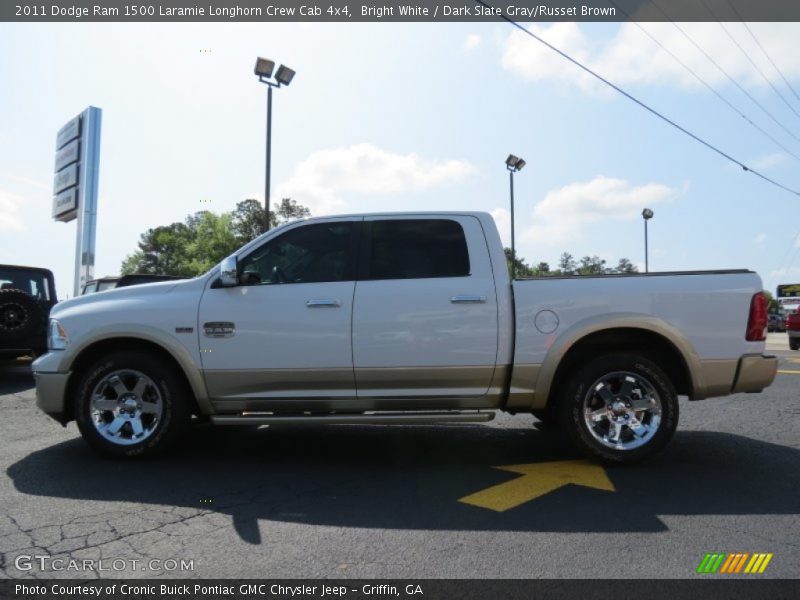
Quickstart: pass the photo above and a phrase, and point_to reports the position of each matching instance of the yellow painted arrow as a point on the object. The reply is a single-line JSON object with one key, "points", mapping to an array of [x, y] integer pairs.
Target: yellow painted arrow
{"points": [[537, 480]]}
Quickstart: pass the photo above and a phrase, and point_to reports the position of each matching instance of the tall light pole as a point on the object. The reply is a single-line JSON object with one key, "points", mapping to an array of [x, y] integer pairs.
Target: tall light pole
{"points": [[647, 214], [283, 76], [513, 164]]}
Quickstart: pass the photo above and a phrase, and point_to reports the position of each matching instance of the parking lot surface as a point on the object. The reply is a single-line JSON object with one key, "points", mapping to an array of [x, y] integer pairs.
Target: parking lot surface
{"points": [[406, 501]]}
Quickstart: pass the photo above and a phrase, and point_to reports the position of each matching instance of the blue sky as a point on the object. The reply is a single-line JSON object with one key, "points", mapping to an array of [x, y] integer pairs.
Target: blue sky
{"points": [[408, 117]]}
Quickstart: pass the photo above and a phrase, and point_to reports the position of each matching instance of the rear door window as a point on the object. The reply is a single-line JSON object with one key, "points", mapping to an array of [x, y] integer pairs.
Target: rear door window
{"points": [[415, 249]]}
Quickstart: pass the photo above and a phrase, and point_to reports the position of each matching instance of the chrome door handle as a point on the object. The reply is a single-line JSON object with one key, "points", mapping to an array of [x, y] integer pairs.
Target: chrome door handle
{"points": [[467, 299], [323, 303]]}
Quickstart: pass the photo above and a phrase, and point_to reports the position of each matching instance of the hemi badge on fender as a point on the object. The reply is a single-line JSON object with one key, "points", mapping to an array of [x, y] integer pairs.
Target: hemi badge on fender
{"points": [[184, 329], [219, 329]]}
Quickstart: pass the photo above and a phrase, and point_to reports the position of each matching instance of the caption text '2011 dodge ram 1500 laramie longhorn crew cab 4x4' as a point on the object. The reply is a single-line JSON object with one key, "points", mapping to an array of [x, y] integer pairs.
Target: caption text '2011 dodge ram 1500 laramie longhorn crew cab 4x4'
{"points": [[400, 318]]}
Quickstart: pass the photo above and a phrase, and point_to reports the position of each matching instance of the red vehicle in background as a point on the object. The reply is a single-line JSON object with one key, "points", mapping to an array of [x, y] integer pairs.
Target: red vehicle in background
{"points": [[793, 330]]}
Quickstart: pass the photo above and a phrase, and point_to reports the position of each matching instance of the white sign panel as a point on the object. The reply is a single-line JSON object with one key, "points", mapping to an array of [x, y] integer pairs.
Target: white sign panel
{"points": [[66, 177], [68, 132], [68, 154], [65, 204]]}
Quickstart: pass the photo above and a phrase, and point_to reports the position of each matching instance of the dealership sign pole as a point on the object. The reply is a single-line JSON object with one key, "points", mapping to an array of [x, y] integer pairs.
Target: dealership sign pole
{"points": [[75, 186]]}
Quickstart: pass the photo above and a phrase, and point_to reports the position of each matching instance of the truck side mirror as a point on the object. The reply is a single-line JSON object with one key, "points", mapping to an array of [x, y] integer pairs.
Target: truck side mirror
{"points": [[228, 272]]}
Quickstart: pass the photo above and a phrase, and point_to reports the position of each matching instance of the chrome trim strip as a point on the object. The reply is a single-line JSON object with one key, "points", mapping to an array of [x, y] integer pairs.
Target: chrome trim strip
{"points": [[467, 299], [344, 419], [324, 303]]}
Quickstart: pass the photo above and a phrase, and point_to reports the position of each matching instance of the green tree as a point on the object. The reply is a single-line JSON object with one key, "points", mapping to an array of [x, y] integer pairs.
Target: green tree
{"points": [[625, 266], [592, 265], [161, 251], [290, 210], [190, 248], [773, 305], [248, 217], [542, 269], [247, 220], [212, 240], [522, 269], [567, 264]]}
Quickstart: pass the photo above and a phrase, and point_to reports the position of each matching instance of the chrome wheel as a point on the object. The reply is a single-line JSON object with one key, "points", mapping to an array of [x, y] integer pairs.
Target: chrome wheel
{"points": [[126, 407], [622, 410]]}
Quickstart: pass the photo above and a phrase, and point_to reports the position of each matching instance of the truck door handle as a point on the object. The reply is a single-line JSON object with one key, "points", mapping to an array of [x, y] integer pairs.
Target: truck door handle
{"points": [[323, 303], [467, 299]]}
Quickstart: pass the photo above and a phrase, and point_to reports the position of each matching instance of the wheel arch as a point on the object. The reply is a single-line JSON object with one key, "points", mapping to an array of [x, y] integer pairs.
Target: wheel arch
{"points": [[644, 335], [92, 351]]}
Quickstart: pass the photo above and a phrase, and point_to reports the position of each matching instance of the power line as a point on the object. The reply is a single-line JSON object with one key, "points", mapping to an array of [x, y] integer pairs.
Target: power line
{"points": [[725, 73], [747, 56], [769, 58], [637, 101], [706, 84]]}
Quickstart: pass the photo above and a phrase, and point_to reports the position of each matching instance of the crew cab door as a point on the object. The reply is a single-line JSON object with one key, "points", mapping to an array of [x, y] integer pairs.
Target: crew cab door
{"points": [[283, 335], [425, 318]]}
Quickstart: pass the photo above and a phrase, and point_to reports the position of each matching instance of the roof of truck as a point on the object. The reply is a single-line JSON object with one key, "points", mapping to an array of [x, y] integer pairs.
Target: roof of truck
{"points": [[22, 268]]}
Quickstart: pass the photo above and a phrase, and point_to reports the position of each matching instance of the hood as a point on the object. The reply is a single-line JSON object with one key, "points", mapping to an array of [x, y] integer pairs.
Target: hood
{"points": [[133, 292]]}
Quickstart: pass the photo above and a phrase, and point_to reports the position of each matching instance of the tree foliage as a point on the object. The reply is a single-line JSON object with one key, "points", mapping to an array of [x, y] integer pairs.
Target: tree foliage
{"points": [[567, 265], [203, 239], [773, 306]]}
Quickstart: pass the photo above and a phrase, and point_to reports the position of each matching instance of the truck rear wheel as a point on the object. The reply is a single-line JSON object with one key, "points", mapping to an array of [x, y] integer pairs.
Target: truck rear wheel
{"points": [[620, 408], [130, 405], [794, 343]]}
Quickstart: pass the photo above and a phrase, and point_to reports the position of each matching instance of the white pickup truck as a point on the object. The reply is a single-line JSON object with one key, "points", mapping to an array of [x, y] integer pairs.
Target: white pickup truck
{"points": [[400, 318]]}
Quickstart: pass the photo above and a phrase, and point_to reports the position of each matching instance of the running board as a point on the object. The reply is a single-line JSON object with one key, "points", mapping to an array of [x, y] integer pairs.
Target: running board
{"points": [[375, 418]]}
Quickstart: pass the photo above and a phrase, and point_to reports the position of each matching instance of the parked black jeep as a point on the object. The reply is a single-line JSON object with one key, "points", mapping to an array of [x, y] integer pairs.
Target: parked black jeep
{"points": [[26, 296]]}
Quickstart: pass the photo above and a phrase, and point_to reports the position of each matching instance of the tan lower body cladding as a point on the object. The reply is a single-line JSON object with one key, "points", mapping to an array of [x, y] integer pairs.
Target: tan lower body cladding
{"points": [[396, 388]]}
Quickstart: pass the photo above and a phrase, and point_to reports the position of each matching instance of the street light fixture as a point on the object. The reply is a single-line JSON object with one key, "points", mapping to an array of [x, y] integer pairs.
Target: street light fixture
{"points": [[264, 67], [647, 214], [513, 164], [284, 75]]}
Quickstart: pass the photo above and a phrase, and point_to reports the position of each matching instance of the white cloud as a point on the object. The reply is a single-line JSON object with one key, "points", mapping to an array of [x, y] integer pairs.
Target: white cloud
{"points": [[320, 180], [785, 271], [564, 213], [631, 57], [502, 219], [10, 219], [472, 41], [769, 161], [760, 238], [27, 181]]}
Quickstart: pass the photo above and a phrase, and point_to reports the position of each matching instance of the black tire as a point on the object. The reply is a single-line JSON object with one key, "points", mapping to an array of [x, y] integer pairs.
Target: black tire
{"points": [[20, 315], [794, 344], [174, 394], [547, 416], [577, 390]]}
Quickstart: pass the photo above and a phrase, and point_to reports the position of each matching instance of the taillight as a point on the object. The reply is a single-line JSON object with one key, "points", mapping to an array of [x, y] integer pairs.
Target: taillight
{"points": [[757, 322]]}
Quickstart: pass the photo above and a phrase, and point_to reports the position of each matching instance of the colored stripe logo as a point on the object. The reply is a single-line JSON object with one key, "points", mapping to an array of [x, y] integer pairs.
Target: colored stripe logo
{"points": [[741, 562]]}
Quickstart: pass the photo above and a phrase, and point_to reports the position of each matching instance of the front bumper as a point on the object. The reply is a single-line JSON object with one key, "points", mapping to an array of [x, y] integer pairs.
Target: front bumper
{"points": [[755, 372], [51, 387]]}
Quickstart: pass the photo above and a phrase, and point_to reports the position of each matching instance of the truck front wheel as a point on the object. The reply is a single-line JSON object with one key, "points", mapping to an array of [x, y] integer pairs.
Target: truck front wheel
{"points": [[130, 404], [620, 408], [794, 343]]}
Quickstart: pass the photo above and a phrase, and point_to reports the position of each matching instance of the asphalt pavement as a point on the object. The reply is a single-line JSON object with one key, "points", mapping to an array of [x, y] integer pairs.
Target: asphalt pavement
{"points": [[386, 502]]}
